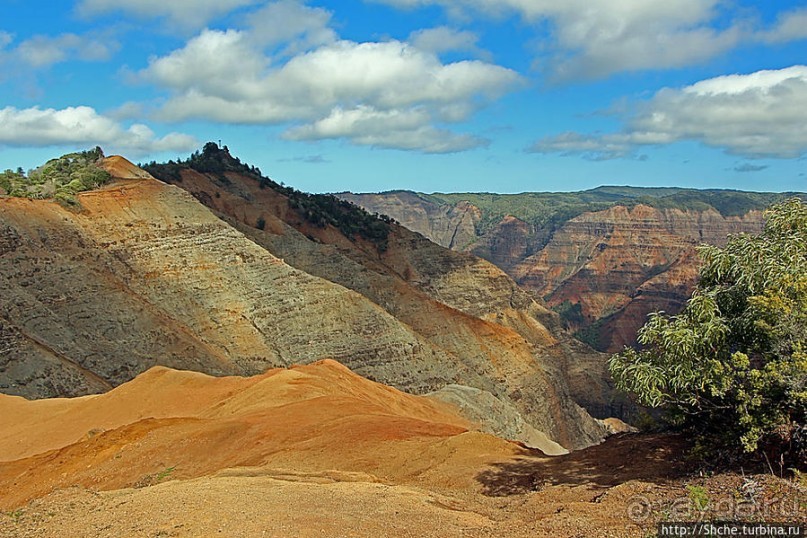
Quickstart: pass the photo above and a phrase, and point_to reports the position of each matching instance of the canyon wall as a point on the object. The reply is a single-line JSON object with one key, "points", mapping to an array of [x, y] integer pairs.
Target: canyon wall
{"points": [[602, 270], [141, 274]]}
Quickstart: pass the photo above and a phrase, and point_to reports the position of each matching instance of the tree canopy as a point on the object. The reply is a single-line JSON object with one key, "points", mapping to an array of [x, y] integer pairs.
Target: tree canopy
{"points": [[732, 366]]}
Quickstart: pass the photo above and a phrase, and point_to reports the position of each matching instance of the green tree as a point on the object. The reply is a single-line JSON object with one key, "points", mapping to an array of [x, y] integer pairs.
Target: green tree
{"points": [[732, 366]]}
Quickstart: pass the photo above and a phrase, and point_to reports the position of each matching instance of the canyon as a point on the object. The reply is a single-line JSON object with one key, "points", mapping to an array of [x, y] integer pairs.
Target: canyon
{"points": [[191, 349], [604, 259]]}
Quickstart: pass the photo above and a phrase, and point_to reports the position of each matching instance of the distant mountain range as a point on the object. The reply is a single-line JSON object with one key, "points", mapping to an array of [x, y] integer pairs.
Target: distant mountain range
{"points": [[602, 258]]}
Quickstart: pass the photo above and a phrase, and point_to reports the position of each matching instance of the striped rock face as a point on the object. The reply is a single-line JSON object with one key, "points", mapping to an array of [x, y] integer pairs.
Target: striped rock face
{"points": [[144, 274]]}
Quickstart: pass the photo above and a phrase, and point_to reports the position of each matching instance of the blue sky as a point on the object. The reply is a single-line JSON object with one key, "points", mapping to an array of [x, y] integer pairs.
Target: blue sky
{"points": [[429, 95]]}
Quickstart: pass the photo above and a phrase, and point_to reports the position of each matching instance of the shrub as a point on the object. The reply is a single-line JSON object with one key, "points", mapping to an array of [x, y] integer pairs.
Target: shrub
{"points": [[732, 366], [60, 178]]}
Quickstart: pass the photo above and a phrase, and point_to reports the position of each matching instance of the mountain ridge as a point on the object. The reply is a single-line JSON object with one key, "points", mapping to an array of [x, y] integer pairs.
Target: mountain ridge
{"points": [[445, 296], [280, 418], [139, 272]]}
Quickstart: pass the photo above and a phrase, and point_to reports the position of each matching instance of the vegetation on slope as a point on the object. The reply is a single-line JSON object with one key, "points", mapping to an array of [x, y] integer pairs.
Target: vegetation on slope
{"points": [[732, 366], [60, 179], [318, 209]]}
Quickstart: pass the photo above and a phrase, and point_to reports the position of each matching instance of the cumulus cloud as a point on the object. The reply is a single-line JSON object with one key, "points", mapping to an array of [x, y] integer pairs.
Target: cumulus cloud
{"points": [[591, 147], [43, 51], [396, 129], [790, 25], [127, 111], [445, 39], [761, 114], [181, 13], [596, 38], [214, 62], [340, 89], [83, 125], [592, 39], [294, 25]]}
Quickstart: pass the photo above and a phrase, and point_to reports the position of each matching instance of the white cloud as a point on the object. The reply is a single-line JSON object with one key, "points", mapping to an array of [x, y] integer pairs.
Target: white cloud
{"points": [[214, 62], [289, 23], [83, 125], [758, 83], [591, 147], [180, 13], [790, 26], [444, 39], [592, 39], [397, 129], [762, 114], [226, 77], [43, 51], [127, 111]]}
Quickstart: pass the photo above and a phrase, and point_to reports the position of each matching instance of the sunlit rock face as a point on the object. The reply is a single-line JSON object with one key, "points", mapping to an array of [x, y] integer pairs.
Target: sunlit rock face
{"points": [[145, 274]]}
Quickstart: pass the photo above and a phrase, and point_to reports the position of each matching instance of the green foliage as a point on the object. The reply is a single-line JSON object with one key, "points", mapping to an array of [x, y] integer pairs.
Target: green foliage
{"points": [[60, 179], [732, 366], [165, 473], [11, 182], [16, 515], [546, 211], [66, 199], [584, 329], [212, 160], [571, 314], [326, 209], [589, 333], [170, 171], [698, 497]]}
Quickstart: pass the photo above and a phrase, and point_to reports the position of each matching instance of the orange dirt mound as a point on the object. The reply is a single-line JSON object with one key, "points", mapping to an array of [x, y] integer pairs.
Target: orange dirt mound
{"points": [[177, 424], [121, 168], [319, 451]]}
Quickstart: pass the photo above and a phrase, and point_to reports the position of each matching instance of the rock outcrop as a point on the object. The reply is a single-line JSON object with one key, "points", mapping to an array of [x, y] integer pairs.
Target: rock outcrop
{"points": [[450, 225], [621, 264]]}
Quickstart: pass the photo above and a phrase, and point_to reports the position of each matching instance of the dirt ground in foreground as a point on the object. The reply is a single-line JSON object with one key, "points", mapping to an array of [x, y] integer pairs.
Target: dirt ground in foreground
{"points": [[318, 451], [623, 487]]}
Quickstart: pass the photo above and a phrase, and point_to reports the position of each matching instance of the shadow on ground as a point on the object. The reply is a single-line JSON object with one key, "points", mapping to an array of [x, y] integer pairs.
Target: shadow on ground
{"points": [[624, 457]]}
